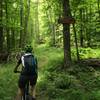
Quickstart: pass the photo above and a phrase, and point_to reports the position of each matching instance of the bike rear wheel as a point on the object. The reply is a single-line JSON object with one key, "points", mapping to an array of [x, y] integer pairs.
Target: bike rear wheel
{"points": [[28, 97], [26, 92]]}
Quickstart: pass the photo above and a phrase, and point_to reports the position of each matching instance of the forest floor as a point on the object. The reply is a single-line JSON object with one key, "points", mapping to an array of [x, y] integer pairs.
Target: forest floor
{"points": [[79, 82]]}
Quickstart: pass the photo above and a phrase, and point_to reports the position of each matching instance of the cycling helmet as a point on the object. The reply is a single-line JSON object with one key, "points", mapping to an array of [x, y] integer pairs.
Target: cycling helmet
{"points": [[28, 48]]}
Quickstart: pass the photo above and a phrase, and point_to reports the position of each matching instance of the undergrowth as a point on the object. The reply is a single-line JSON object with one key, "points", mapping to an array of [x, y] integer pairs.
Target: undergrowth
{"points": [[8, 82], [78, 82], [86, 53]]}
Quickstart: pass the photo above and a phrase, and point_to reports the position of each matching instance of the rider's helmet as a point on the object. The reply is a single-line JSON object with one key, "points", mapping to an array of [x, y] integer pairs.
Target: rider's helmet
{"points": [[28, 49]]}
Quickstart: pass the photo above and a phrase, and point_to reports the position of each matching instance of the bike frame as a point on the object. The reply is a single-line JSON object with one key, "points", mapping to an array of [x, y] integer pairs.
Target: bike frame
{"points": [[26, 91]]}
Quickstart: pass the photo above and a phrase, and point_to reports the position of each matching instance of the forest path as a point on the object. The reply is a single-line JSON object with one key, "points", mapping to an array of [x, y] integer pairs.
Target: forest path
{"points": [[44, 56]]}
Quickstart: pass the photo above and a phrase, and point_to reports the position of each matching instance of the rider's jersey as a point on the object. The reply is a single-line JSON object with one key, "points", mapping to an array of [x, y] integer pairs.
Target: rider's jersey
{"points": [[21, 61]]}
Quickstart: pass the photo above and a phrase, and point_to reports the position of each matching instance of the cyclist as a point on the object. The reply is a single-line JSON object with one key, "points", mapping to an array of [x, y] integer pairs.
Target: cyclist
{"points": [[28, 72]]}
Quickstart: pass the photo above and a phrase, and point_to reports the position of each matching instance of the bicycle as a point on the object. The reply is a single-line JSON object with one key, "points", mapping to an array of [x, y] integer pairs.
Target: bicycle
{"points": [[26, 95]]}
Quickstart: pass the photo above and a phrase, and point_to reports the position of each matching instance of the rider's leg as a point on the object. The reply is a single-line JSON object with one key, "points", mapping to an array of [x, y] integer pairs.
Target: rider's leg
{"points": [[21, 85], [20, 94], [20, 91], [32, 91], [33, 80]]}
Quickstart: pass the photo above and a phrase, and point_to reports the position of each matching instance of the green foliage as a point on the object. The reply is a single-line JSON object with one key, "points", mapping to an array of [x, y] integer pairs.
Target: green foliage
{"points": [[8, 82], [43, 21], [95, 95], [86, 53], [79, 82], [63, 81], [66, 85]]}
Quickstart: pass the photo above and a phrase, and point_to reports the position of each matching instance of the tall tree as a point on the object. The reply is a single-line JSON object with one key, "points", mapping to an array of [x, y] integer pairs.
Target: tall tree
{"points": [[88, 29], [50, 16], [66, 34], [27, 13], [36, 21], [1, 25], [81, 27], [7, 27], [21, 24]]}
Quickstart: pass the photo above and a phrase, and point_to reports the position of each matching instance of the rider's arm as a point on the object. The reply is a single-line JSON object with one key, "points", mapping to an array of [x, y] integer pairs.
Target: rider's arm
{"points": [[18, 63]]}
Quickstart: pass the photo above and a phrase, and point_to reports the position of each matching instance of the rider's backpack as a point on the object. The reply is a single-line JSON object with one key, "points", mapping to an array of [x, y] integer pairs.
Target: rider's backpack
{"points": [[29, 64]]}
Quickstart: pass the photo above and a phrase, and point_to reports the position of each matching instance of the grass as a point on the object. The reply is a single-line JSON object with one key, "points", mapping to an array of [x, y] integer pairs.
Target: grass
{"points": [[79, 82], [8, 82], [86, 53]]}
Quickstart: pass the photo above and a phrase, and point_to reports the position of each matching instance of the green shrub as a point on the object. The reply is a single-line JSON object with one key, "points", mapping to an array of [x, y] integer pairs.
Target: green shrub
{"points": [[62, 81], [42, 85], [86, 53], [94, 95], [76, 95], [8, 82]]}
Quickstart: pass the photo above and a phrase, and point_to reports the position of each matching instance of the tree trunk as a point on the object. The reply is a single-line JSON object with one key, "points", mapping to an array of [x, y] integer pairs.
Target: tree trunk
{"points": [[76, 44], [21, 24], [7, 28], [37, 22], [66, 35], [1, 27], [51, 26], [81, 29], [89, 28], [27, 12], [13, 38]]}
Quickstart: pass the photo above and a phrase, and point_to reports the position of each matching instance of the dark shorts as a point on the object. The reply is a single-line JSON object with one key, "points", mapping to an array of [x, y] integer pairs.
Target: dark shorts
{"points": [[24, 79]]}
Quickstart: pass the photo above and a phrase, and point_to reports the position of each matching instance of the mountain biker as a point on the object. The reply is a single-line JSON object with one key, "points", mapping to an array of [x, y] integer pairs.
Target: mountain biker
{"points": [[25, 75]]}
